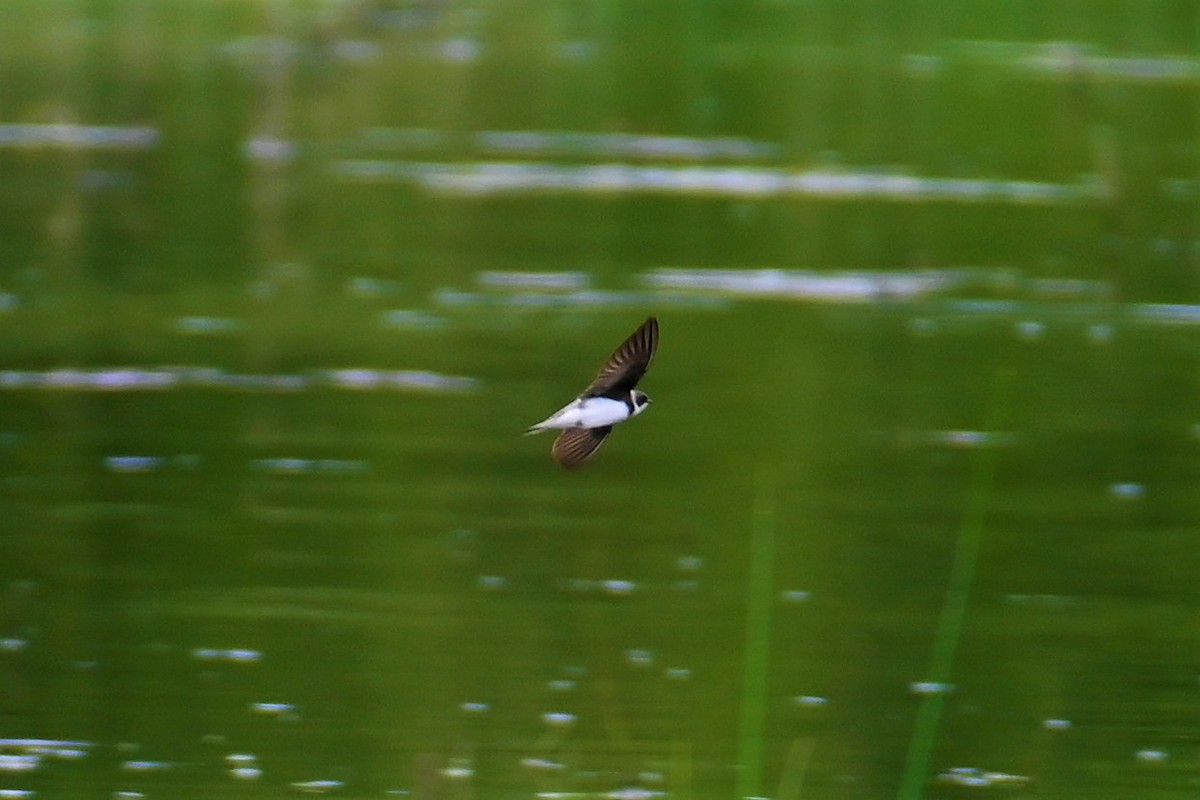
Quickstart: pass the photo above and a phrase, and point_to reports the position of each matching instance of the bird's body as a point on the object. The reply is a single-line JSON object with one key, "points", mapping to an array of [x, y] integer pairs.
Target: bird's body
{"points": [[611, 398], [589, 412]]}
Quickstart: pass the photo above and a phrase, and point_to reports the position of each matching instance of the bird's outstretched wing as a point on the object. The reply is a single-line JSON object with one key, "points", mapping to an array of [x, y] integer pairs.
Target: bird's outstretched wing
{"points": [[576, 445], [628, 363]]}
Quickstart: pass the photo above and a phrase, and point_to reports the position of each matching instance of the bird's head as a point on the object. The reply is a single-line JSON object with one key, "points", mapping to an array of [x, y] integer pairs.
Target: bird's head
{"points": [[640, 401]]}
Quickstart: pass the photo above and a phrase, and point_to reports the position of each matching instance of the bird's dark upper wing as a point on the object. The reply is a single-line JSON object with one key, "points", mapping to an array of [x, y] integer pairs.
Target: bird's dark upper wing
{"points": [[628, 363], [576, 445]]}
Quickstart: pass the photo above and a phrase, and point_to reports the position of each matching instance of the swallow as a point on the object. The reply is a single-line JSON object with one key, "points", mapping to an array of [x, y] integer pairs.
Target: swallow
{"points": [[609, 400]]}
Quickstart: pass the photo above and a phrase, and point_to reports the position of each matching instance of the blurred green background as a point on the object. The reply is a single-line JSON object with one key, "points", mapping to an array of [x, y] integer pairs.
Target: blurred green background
{"points": [[915, 511]]}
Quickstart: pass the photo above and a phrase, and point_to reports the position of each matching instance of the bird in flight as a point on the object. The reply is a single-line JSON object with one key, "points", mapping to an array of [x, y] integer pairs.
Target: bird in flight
{"points": [[611, 398]]}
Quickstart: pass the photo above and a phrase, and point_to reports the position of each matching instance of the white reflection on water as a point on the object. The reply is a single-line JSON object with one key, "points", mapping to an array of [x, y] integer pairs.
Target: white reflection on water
{"points": [[486, 178], [146, 766], [28, 756], [232, 656], [283, 711], [24, 762], [583, 298], [269, 149], [977, 778], [930, 687], [121, 379], [612, 587], [410, 319], [561, 281], [79, 137], [243, 766], [491, 583], [1128, 490], [298, 466], [58, 749], [200, 325], [1100, 333], [811, 284], [637, 657], [317, 786], [252, 773], [1030, 330], [956, 439], [132, 464], [460, 49], [631, 793], [558, 719], [573, 144], [1070, 60]]}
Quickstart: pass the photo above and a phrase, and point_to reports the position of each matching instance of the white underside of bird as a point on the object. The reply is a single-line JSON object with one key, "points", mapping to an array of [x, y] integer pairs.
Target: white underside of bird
{"points": [[584, 412]]}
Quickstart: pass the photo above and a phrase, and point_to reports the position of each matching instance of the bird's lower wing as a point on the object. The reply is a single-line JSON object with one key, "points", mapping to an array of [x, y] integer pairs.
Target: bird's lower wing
{"points": [[576, 445]]}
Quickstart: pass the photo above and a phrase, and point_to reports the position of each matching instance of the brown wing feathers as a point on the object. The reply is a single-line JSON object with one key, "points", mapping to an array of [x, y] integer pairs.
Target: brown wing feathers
{"points": [[576, 445], [628, 363]]}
